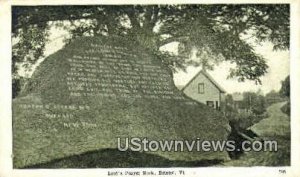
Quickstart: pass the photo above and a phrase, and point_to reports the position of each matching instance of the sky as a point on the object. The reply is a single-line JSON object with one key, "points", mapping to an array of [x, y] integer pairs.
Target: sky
{"points": [[278, 62]]}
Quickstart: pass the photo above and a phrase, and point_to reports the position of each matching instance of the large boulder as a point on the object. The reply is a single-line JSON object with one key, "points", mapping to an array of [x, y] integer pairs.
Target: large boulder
{"points": [[98, 89]]}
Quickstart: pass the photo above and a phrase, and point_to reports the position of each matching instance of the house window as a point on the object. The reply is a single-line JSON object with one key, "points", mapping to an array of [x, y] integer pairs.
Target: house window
{"points": [[210, 103], [201, 88]]}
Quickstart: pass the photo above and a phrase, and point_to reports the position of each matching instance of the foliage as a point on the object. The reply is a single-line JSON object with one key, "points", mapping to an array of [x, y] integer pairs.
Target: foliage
{"points": [[286, 108], [254, 102], [244, 121], [285, 92], [274, 97], [18, 84], [215, 29], [228, 108], [244, 113], [285, 87]]}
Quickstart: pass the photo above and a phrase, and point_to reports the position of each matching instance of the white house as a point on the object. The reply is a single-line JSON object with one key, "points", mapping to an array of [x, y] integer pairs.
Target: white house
{"points": [[203, 88]]}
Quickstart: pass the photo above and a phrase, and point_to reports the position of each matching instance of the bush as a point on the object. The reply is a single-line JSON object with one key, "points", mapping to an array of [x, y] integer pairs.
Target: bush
{"points": [[286, 108], [246, 120]]}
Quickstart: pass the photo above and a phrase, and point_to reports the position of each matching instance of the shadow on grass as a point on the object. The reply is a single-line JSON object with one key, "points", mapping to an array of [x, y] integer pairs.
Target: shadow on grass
{"points": [[112, 158]]}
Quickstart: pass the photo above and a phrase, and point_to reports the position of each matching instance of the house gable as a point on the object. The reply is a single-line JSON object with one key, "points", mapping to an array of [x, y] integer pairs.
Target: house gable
{"points": [[204, 89], [201, 72]]}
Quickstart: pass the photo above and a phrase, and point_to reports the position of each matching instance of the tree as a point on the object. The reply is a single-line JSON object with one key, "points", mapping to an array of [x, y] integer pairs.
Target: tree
{"points": [[216, 30], [285, 87], [228, 109], [273, 97], [254, 102], [285, 92]]}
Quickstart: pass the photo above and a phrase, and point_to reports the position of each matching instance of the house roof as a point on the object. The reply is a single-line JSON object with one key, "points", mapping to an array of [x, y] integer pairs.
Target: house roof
{"points": [[208, 76]]}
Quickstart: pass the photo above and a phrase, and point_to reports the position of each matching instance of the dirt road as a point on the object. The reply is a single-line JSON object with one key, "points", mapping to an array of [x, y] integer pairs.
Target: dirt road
{"points": [[277, 124]]}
